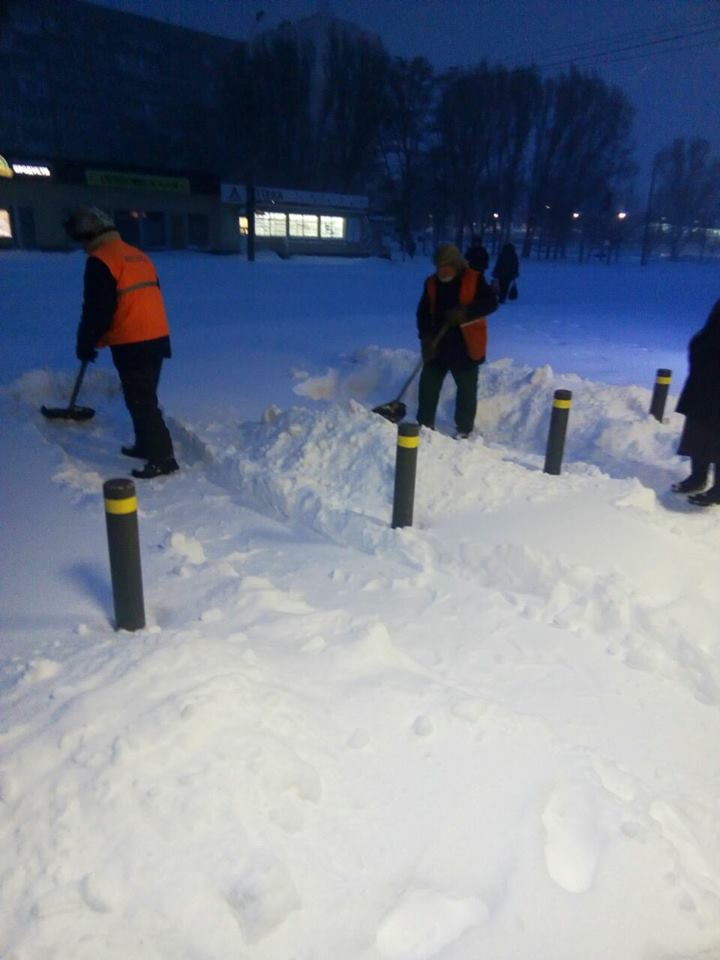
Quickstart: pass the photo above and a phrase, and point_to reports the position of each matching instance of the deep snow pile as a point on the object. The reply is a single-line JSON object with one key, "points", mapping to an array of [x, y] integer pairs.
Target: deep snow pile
{"points": [[492, 734]]}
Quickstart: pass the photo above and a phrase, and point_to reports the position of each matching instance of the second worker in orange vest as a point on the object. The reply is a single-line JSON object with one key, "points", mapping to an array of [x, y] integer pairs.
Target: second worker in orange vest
{"points": [[123, 309], [452, 329]]}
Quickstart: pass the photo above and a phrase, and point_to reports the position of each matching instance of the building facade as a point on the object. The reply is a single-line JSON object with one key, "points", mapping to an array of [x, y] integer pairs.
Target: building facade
{"points": [[130, 114]]}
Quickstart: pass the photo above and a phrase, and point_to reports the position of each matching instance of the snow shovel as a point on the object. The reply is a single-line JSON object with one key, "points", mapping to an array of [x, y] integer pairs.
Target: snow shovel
{"points": [[395, 410], [72, 411]]}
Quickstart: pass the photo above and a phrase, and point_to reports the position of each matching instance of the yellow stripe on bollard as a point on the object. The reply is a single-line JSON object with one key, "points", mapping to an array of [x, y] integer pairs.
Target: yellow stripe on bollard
{"points": [[664, 380], [562, 404], [127, 505], [409, 442]]}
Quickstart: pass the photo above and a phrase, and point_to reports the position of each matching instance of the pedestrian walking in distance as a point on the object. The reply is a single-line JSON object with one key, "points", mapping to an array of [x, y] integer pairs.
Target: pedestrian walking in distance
{"points": [[453, 333], [123, 309], [477, 256], [506, 271]]}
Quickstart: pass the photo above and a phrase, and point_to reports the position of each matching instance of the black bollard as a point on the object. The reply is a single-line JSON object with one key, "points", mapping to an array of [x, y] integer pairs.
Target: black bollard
{"points": [[660, 392], [124, 546], [405, 469], [558, 428]]}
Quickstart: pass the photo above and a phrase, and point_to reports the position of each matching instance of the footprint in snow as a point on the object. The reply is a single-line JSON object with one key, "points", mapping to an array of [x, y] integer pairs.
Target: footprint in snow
{"points": [[423, 922], [571, 838]]}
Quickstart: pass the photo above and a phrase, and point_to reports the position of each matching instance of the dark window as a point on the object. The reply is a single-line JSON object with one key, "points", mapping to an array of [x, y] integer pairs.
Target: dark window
{"points": [[128, 223], [198, 233], [28, 238], [154, 233]]}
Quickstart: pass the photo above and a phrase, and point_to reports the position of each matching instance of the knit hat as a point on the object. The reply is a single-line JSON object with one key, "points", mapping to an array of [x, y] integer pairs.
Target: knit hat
{"points": [[448, 255], [86, 223]]}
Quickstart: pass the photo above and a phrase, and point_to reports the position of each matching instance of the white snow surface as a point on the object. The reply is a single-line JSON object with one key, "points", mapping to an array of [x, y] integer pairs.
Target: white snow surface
{"points": [[492, 734]]}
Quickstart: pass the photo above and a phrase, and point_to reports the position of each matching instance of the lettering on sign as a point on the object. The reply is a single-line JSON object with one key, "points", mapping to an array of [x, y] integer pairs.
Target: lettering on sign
{"points": [[31, 170]]}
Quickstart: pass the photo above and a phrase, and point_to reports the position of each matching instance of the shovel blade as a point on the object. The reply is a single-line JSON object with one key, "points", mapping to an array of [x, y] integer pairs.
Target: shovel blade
{"points": [[394, 411], [68, 413]]}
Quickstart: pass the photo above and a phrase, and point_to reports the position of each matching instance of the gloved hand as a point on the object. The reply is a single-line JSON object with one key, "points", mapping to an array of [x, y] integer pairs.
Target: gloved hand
{"points": [[86, 354], [429, 349], [455, 316]]}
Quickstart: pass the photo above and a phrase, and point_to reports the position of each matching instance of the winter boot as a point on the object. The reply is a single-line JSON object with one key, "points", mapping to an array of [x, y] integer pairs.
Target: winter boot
{"points": [[710, 498], [151, 470], [692, 484]]}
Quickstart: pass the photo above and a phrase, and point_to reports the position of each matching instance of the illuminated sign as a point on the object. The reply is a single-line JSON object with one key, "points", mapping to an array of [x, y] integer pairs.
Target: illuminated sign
{"points": [[264, 196], [31, 170], [108, 178], [5, 169]]}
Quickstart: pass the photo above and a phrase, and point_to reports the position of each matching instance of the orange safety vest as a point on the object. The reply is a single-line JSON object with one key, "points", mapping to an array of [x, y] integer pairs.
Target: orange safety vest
{"points": [[140, 311], [474, 331]]}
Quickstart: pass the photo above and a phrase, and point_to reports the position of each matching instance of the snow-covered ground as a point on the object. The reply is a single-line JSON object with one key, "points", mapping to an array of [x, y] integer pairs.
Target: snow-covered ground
{"points": [[494, 734]]}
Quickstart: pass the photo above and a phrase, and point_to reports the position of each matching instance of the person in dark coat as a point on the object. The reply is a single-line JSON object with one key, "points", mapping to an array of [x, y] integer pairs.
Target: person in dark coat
{"points": [[700, 403], [506, 270], [123, 309], [452, 296], [477, 256]]}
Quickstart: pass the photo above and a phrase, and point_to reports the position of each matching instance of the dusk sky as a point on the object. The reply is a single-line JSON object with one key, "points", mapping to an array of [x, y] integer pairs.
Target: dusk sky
{"points": [[665, 54]]}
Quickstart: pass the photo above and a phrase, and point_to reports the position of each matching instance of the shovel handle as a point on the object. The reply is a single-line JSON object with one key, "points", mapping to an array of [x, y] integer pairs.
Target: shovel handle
{"points": [[78, 383], [418, 366]]}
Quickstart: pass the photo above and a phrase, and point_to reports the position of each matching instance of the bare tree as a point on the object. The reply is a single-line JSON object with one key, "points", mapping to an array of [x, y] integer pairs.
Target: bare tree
{"points": [[267, 92], [356, 70], [688, 190], [404, 139], [484, 119], [581, 151], [460, 152]]}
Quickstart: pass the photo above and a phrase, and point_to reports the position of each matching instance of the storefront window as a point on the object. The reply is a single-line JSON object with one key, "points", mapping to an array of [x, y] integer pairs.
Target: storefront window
{"points": [[5, 225], [303, 224], [270, 224], [332, 228]]}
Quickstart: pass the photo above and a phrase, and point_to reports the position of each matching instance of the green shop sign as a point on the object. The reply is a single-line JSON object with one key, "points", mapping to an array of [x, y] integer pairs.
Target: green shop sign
{"points": [[108, 178]]}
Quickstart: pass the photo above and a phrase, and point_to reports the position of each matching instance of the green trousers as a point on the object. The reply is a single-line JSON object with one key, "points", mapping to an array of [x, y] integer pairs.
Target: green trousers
{"points": [[431, 381]]}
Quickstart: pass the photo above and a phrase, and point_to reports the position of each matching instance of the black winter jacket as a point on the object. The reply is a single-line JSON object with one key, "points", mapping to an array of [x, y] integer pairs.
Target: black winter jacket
{"points": [[700, 396], [451, 351]]}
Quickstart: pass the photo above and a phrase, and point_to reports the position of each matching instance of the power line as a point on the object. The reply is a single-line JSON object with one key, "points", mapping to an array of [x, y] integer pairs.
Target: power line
{"points": [[638, 50], [651, 53], [609, 46]]}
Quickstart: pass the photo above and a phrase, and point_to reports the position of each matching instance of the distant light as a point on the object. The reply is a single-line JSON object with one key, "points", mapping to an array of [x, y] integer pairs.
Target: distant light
{"points": [[622, 215], [575, 215], [547, 206], [496, 216]]}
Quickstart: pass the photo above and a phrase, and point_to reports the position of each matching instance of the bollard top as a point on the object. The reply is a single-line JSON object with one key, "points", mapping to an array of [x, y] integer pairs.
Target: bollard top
{"points": [[563, 394], [119, 488], [409, 429], [663, 372]]}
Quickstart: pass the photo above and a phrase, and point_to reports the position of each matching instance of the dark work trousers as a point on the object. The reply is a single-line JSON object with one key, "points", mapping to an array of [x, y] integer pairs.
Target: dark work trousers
{"points": [[431, 381], [139, 384]]}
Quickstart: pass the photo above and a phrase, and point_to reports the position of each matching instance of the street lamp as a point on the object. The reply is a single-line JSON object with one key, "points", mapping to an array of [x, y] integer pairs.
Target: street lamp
{"points": [[253, 135]]}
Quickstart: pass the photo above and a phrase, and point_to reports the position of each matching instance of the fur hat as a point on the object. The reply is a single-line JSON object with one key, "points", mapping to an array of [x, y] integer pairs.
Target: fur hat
{"points": [[448, 255], [86, 223]]}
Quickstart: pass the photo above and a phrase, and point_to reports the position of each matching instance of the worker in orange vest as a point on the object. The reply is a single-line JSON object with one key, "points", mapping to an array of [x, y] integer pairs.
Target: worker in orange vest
{"points": [[453, 333], [123, 309]]}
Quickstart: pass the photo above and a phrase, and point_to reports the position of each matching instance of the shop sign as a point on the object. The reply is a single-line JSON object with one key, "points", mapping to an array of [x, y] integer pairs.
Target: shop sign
{"points": [[233, 193], [12, 169], [109, 178], [267, 196], [31, 170]]}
